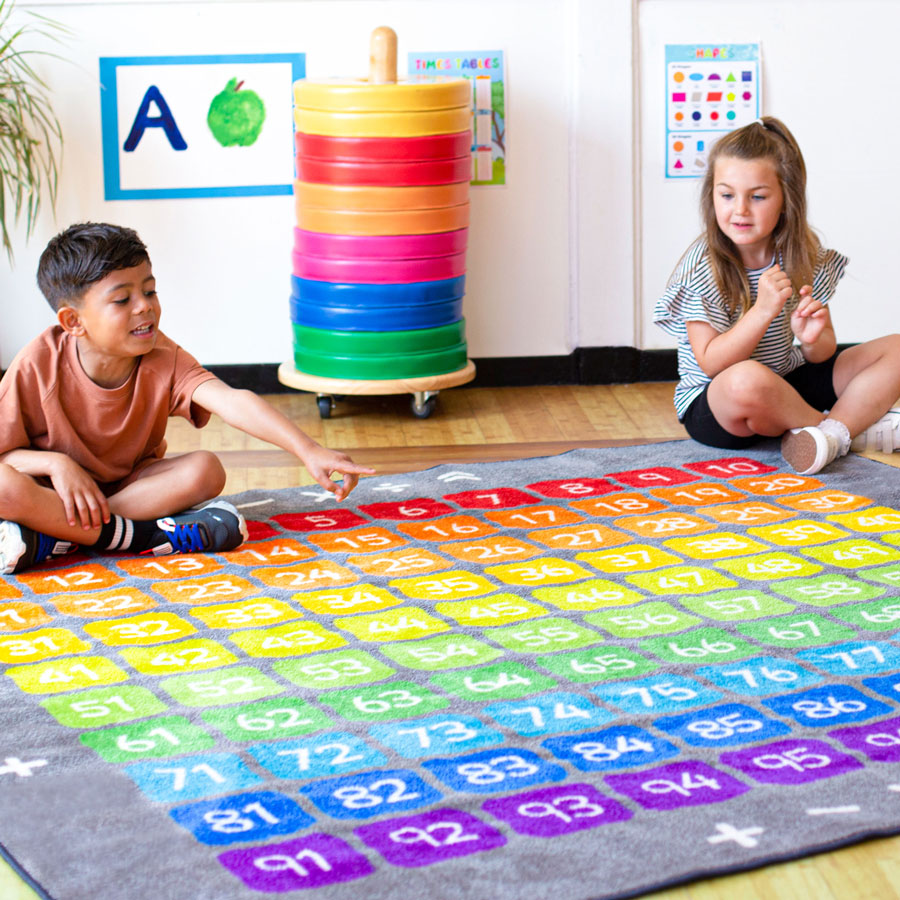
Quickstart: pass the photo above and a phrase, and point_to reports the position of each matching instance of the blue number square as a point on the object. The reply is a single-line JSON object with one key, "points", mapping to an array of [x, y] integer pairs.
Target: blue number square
{"points": [[854, 658], [829, 705], [502, 769], [432, 735], [656, 693], [888, 686], [549, 714], [369, 794], [253, 816], [315, 757], [618, 747], [722, 726], [759, 676], [191, 776]]}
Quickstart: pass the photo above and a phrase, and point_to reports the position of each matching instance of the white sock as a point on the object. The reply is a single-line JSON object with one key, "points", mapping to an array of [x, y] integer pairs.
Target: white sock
{"points": [[838, 430]]}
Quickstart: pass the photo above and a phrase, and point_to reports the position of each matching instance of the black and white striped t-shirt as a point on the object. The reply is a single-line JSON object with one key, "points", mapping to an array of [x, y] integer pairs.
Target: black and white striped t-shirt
{"points": [[692, 296]]}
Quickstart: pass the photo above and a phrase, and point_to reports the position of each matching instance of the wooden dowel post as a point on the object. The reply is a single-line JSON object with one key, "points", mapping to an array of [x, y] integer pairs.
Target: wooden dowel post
{"points": [[383, 56]]}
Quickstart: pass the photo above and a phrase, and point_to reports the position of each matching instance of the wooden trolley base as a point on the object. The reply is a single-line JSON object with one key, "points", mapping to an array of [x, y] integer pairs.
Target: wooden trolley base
{"points": [[424, 390]]}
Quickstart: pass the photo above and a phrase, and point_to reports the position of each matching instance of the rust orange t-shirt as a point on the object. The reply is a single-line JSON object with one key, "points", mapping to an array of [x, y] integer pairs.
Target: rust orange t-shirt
{"points": [[47, 402]]}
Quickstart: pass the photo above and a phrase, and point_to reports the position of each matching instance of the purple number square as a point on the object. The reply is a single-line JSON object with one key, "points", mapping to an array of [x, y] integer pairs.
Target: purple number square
{"points": [[312, 861], [880, 741], [791, 762], [677, 784], [429, 838], [561, 809]]}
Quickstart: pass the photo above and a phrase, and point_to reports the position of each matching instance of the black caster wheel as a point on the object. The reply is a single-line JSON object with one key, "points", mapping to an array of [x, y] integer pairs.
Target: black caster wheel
{"points": [[422, 408], [326, 405]]}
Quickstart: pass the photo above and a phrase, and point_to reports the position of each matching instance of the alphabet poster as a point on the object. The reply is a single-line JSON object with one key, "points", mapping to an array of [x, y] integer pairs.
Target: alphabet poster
{"points": [[485, 69], [710, 90], [198, 126]]}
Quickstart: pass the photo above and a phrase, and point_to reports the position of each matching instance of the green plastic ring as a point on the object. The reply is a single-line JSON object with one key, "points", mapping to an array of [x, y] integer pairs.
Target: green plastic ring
{"points": [[377, 343], [382, 368]]}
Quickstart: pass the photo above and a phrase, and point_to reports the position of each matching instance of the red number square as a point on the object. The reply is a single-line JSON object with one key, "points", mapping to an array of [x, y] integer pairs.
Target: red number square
{"points": [[492, 498], [730, 467], [420, 508], [574, 487], [660, 476], [327, 520]]}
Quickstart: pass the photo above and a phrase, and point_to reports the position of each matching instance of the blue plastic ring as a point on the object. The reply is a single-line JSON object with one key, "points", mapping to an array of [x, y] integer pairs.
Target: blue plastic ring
{"points": [[376, 318], [327, 293]]}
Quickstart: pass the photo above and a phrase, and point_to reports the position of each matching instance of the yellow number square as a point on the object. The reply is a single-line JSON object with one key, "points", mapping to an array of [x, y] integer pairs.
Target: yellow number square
{"points": [[874, 520], [720, 545], [633, 558], [183, 656], [546, 570], [446, 586], [37, 645], [798, 533], [681, 580], [401, 624], [293, 639], [500, 609], [67, 675], [594, 594], [343, 601], [245, 613], [151, 628], [769, 566]]}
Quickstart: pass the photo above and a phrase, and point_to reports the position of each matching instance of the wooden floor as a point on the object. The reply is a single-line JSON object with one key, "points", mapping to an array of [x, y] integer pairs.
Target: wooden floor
{"points": [[480, 424]]}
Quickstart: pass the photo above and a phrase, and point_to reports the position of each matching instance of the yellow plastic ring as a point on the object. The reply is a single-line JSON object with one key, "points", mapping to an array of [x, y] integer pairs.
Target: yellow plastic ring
{"points": [[387, 124], [393, 221], [360, 95], [354, 196]]}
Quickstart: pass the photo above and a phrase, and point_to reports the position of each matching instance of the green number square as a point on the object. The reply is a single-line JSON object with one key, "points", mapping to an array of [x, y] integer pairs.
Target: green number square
{"points": [[151, 739], [501, 681], [103, 706], [701, 646], [382, 702], [544, 635], [604, 663], [287, 717], [592, 594], [449, 651], [854, 553], [876, 615], [827, 590], [680, 580], [882, 574], [222, 686], [643, 620], [766, 566], [343, 668], [729, 606], [798, 630]]}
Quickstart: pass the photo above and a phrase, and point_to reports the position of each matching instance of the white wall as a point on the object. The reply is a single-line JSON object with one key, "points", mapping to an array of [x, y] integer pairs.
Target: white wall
{"points": [[223, 264], [576, 248], [830, 73]]}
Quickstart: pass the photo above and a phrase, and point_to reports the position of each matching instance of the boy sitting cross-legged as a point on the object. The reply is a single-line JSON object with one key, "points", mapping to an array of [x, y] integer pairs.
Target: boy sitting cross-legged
{"points": [[83, 411]]}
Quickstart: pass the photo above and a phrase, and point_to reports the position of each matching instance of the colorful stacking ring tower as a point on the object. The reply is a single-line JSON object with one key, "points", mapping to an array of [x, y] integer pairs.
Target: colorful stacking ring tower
{"points": [[382, 215]]}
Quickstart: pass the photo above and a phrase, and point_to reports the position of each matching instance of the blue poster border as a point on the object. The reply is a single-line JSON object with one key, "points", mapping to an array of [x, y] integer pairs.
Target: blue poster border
{"points": [[109, 124]]}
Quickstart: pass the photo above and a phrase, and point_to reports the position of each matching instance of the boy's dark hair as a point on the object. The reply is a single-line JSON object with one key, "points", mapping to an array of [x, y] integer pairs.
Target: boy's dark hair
{"points": [[83, 255]]}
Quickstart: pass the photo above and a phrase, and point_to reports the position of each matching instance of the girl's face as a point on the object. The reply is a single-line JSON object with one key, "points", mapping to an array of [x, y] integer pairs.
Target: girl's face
{"points": [[748, 201]]}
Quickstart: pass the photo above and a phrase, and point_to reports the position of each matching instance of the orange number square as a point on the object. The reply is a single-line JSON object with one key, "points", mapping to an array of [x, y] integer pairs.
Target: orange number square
{"points": [[704, 494], [122, 601], [619, 504], [360, 540], [90, 576], [826, 502], [534, 517], [580, 537], [214, 589], [401, 562], [18, 616], [754, 512], [450, 528], [175, 566], [318, 573], [8, 591], [664, 524], [271, 553], [777, 484], [492, 550]]}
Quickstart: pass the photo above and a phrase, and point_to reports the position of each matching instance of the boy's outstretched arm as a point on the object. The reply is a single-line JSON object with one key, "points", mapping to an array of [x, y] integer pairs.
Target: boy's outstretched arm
{"points": [[251, 414]]}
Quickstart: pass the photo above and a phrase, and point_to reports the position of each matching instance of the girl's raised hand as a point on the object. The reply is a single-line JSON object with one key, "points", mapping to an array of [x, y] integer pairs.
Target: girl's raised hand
{"points": [[810, 318], [773, 291]]}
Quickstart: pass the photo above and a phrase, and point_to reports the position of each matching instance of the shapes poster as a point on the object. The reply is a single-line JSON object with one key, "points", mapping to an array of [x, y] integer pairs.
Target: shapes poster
{"points": [[710, 90], [198, 126], [485, 69]]}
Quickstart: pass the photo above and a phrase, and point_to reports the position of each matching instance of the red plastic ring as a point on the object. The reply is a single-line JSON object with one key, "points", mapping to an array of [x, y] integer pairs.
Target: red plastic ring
{"points": [[368, 149]]}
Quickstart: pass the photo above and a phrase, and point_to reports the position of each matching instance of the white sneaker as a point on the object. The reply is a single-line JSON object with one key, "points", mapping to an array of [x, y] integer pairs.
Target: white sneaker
{"points": [[809, 449], [883, 436]]}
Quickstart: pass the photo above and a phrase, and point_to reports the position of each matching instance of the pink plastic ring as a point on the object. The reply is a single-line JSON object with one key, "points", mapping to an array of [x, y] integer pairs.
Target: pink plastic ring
{"points": [[399, 246], [401, 149], [378, 271], [395, 174]]}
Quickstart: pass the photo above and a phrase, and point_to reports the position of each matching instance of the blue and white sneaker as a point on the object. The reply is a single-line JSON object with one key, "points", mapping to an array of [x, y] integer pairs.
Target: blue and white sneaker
{"points": [[218, 526], [22, 547]]}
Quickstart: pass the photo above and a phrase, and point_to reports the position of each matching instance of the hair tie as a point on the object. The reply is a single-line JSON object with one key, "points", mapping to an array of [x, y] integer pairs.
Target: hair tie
{"points": [[760, 122]]}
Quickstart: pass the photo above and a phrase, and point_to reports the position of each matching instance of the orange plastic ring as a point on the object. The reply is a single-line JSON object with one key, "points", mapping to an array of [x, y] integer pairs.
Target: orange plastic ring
{"points": [[353, 196], [393, 221]]}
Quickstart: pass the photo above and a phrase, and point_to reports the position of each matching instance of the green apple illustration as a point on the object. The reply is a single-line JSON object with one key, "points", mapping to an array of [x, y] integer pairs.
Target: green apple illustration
{"points": [[236, 117]]}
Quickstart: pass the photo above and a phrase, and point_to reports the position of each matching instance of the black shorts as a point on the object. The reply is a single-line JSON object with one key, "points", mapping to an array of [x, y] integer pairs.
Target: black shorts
{"points": [[813, 382]]}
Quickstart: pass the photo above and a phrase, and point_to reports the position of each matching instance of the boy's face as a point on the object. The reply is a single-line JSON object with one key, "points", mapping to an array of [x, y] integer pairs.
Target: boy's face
{"points": [[118, 316]]}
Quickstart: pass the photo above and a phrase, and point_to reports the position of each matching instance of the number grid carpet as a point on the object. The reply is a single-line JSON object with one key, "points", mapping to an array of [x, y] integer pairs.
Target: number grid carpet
{"points": [[587, 676]]}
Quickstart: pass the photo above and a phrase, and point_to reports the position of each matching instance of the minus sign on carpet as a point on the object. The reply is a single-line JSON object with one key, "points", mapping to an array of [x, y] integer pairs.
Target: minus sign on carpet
{"points": [[254, 503], [831, 810]]}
